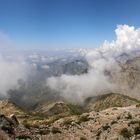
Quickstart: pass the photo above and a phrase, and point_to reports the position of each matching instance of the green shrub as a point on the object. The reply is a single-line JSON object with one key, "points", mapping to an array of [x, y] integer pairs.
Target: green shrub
{"points": [[137, 130], [105, 127], [118, 117], [82, 138], [125, 133], [76, 109], [44, 132], [67, 121], [28, 125], [23, 137], [134, 122], [138, 105], [98, 133], [55, 130], [129, 116], [53, 119], [83, 119], [113, 122], [8, 129]]}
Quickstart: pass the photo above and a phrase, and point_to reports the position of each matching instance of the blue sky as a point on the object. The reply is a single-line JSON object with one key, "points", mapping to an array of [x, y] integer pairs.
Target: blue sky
{"points": [[43, 24]]}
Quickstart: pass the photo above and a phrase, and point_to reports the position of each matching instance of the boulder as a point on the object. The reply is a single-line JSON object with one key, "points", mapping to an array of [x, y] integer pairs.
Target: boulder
{"points": [[14, 119]]}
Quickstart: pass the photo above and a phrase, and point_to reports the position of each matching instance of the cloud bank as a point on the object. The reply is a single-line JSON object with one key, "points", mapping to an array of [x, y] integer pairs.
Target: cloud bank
{"points": [[75, 88], [11, 72], [102, 61]]}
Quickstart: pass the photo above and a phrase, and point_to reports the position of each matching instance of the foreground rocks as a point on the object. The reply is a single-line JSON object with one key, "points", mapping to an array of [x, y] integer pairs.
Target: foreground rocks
{"points": [[117, 123], [111, 124]]}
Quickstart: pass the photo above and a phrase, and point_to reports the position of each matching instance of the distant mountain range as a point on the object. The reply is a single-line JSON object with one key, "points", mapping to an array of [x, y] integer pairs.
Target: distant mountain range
{"points": [[34, 90]]}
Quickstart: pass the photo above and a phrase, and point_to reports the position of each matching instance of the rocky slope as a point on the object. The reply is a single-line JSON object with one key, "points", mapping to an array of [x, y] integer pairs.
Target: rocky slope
{"points": [[115, 123], [128, 78], [7, 108], [110, 117], [111, 124]]}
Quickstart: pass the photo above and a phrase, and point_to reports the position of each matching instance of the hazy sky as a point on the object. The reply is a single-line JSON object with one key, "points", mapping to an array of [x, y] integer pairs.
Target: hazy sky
{"points": [[43, 24]]}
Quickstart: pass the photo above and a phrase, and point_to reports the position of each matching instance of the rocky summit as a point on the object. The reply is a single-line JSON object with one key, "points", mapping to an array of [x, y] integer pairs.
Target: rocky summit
{"points": [[97, 119]]}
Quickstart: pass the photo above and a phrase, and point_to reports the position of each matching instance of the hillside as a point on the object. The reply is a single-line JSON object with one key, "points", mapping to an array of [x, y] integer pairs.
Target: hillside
{"points": [[114, 123], [52, 108], [109, 100], [97, 103], [7, 108], [57, 107], [128, 78]]}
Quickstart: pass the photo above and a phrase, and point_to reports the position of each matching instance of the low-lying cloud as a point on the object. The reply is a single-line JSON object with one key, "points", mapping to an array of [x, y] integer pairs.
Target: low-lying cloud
{"points": [[76, 88], [11, 72]]}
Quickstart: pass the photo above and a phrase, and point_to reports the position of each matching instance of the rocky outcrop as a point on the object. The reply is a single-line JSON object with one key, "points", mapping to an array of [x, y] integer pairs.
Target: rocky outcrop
{"points": [[6, 124], [14, 119]]}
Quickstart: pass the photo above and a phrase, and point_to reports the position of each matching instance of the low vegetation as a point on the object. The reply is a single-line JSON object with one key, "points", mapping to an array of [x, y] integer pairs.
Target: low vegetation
{"points": [[137, 130], [55, 130], [83, 118], [106, 126], [76, 109], [83, 138], [110, 100], [67, 121], [125, 133]]}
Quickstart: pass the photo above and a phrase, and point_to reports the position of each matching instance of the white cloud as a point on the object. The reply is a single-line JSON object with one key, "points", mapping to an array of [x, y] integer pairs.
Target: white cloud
{"points": [[79, 87], [128, 38], [10, 74]]}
